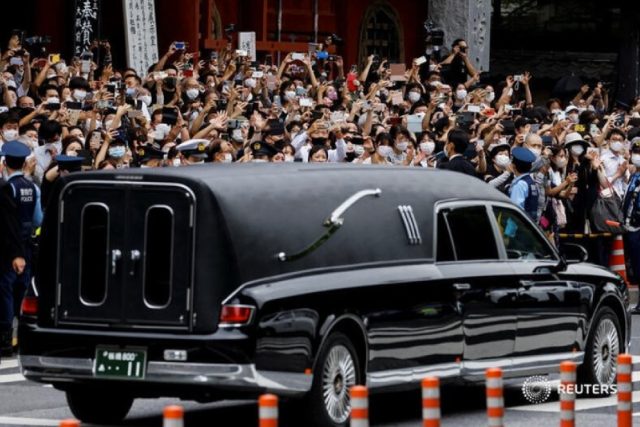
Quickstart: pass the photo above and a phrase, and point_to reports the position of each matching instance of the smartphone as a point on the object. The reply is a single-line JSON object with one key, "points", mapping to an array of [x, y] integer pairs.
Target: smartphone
{"points": [[306, 102], [232, 124], [535, 127], [16, 61], [85, 66], [591, 151], [257, 74], [180, 45], [268, 60], [187, 72], [52, 106], [54, 58], [317, 115], [473, 108], [395, 121], [421, 60], [241, 53], [297, 56], [323, 54], [73, 105], [103, 104]]}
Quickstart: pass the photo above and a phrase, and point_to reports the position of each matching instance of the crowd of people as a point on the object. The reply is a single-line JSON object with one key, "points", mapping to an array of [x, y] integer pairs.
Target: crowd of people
{"points": [[564, 162]]}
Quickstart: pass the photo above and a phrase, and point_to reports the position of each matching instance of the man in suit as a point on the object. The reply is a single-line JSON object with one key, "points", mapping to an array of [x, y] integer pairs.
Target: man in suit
{"points": [[457, 144]]}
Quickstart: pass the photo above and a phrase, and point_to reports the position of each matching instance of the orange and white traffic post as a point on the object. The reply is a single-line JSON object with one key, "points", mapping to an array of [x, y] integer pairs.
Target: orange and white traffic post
{"points": [[173, 416], [268, 410], [431, 402], [359, 406], [69, 423], [567, 394], [495, 397], [616, 259], [624, 391]]}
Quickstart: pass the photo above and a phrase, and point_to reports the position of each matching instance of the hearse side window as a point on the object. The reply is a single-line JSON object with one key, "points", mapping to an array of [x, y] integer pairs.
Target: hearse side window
{"points": [[471, 233], [444, 252], [94, 252], [158, 244], [521, 240]]}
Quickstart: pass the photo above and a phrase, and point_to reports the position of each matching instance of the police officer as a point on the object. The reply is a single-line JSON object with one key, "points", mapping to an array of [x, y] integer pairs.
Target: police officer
{"points": [[524, 190], [193, 151], [262, 152], [23, 197]]}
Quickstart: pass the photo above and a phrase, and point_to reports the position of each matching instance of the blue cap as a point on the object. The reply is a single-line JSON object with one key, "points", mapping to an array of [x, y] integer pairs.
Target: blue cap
{"points": [[523, 154], [15, 149], [70, 163]]}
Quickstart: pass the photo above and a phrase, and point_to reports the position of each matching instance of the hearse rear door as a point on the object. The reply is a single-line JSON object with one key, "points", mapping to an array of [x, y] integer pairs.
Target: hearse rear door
{"points": [[126, 254]]}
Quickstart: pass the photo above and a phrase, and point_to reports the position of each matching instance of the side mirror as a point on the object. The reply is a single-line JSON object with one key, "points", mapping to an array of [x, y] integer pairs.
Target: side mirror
{"points": [[573, 253]]}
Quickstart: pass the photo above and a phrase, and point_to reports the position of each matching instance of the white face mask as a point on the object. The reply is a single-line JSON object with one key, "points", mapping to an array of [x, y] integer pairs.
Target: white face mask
{"points": [[358, 150], [577, 149], [560, 163], [161, 132], [79, 94], [536, 151], [617, 146], [250, 83], [145, 99], [290, 94], [259, 161], [236, 135], [402, 146], [228, 158], [384, 150], [288, 158], [491, 96], [107, 124], [414, 97], [461, 94], [53, 100], [635, 159], [10, 135], [176, 162], [427, 147], [503, 160], [573, 118], [192, 93]]}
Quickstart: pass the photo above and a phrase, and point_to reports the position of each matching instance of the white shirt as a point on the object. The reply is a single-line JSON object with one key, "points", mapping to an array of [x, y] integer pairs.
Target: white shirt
{"points": [[44, 157], [612, 162]]}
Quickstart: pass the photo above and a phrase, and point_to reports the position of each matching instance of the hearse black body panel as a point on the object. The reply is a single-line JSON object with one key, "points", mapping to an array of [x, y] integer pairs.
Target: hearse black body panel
{"points": [[252, 235]]}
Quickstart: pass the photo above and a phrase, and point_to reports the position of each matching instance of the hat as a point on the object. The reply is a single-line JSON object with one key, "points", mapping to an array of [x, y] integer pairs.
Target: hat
{"points": [[69, 163], [260, 148], [523, 155], [575, 138], [635, 144], [570, 108], [194, 148], [15, 149], [497, 147], [148, 152]]}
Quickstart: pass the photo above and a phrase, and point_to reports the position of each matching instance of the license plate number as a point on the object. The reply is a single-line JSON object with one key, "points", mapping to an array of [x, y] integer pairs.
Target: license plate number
{"points": [[119, 363]]}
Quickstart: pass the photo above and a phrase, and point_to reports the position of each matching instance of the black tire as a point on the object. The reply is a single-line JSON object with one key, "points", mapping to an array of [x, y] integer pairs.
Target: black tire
{"points": [[602, 349], [318, 414], [91, 405]]}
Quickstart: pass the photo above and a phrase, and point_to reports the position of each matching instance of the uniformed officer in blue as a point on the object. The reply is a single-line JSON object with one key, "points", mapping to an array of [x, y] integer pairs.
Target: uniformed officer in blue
{"points": [[25, 196], [524, 190]]}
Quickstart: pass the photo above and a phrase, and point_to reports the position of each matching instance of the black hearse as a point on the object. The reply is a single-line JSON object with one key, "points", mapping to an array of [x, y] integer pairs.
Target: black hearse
{"points": [[213, 282]]}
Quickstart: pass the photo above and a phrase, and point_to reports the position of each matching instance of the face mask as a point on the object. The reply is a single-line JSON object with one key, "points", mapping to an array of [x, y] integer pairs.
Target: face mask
{"points": [[259, 161], [414, 97], [491, 96], [332, 95], [358, 150], [536, 151], [145, 99], [10, 135], [461, 94], [635, 159], [573, 118], [52, 75], [53, 101], [433, 67], [107, 124], [228, 158], [162, 130], [288, 158], [80, 94], [577, 149], [594, 130], [250, 83], [300, 91], [236, 135], [402, 146], [560, 163], [384, 150], [617, 146], [503, 160], [176, 162], [427, 147], [12, 84], [502, 140], [539, 177], [117, 152], [82, 140], [290, 95], [192, 93]]}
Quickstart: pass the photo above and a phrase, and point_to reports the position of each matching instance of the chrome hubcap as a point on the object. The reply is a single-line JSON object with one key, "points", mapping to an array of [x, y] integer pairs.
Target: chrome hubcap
{"points": [[338, 376], [605, 352]]}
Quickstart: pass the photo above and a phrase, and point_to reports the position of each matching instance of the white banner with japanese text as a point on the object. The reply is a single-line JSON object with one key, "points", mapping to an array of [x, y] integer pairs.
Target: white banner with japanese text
{"points": [[86, 22], [141, 34]]}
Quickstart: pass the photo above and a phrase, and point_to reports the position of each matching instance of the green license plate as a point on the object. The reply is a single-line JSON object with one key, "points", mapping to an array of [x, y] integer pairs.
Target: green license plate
{"points": [[120, 363]]}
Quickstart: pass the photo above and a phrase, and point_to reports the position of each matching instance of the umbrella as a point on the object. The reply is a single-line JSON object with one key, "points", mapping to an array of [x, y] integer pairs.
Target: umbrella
{"points": [[567, 86]]}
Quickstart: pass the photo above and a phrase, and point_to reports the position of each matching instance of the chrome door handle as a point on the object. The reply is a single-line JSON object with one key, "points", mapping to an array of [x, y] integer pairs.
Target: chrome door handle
{"points": [[461, 286], [135, 257], [116, 254]]}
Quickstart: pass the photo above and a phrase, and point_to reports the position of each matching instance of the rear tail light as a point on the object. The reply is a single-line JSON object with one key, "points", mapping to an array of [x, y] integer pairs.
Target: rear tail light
{"points": [[29, 306], [236, 314]]}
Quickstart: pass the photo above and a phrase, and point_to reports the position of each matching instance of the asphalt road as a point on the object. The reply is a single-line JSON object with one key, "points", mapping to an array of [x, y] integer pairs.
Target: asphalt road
{"points": [[23, 403]]}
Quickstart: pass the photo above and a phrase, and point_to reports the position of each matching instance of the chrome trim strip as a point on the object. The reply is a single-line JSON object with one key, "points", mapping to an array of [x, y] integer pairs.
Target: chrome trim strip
{"points": [[240, 376], [405, 221], [395, 377], [414, 224]]}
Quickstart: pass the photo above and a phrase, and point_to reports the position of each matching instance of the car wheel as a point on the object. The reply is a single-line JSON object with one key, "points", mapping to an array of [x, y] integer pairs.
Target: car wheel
{"points": [[602, 349], [93, 406], [337, 370]]}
